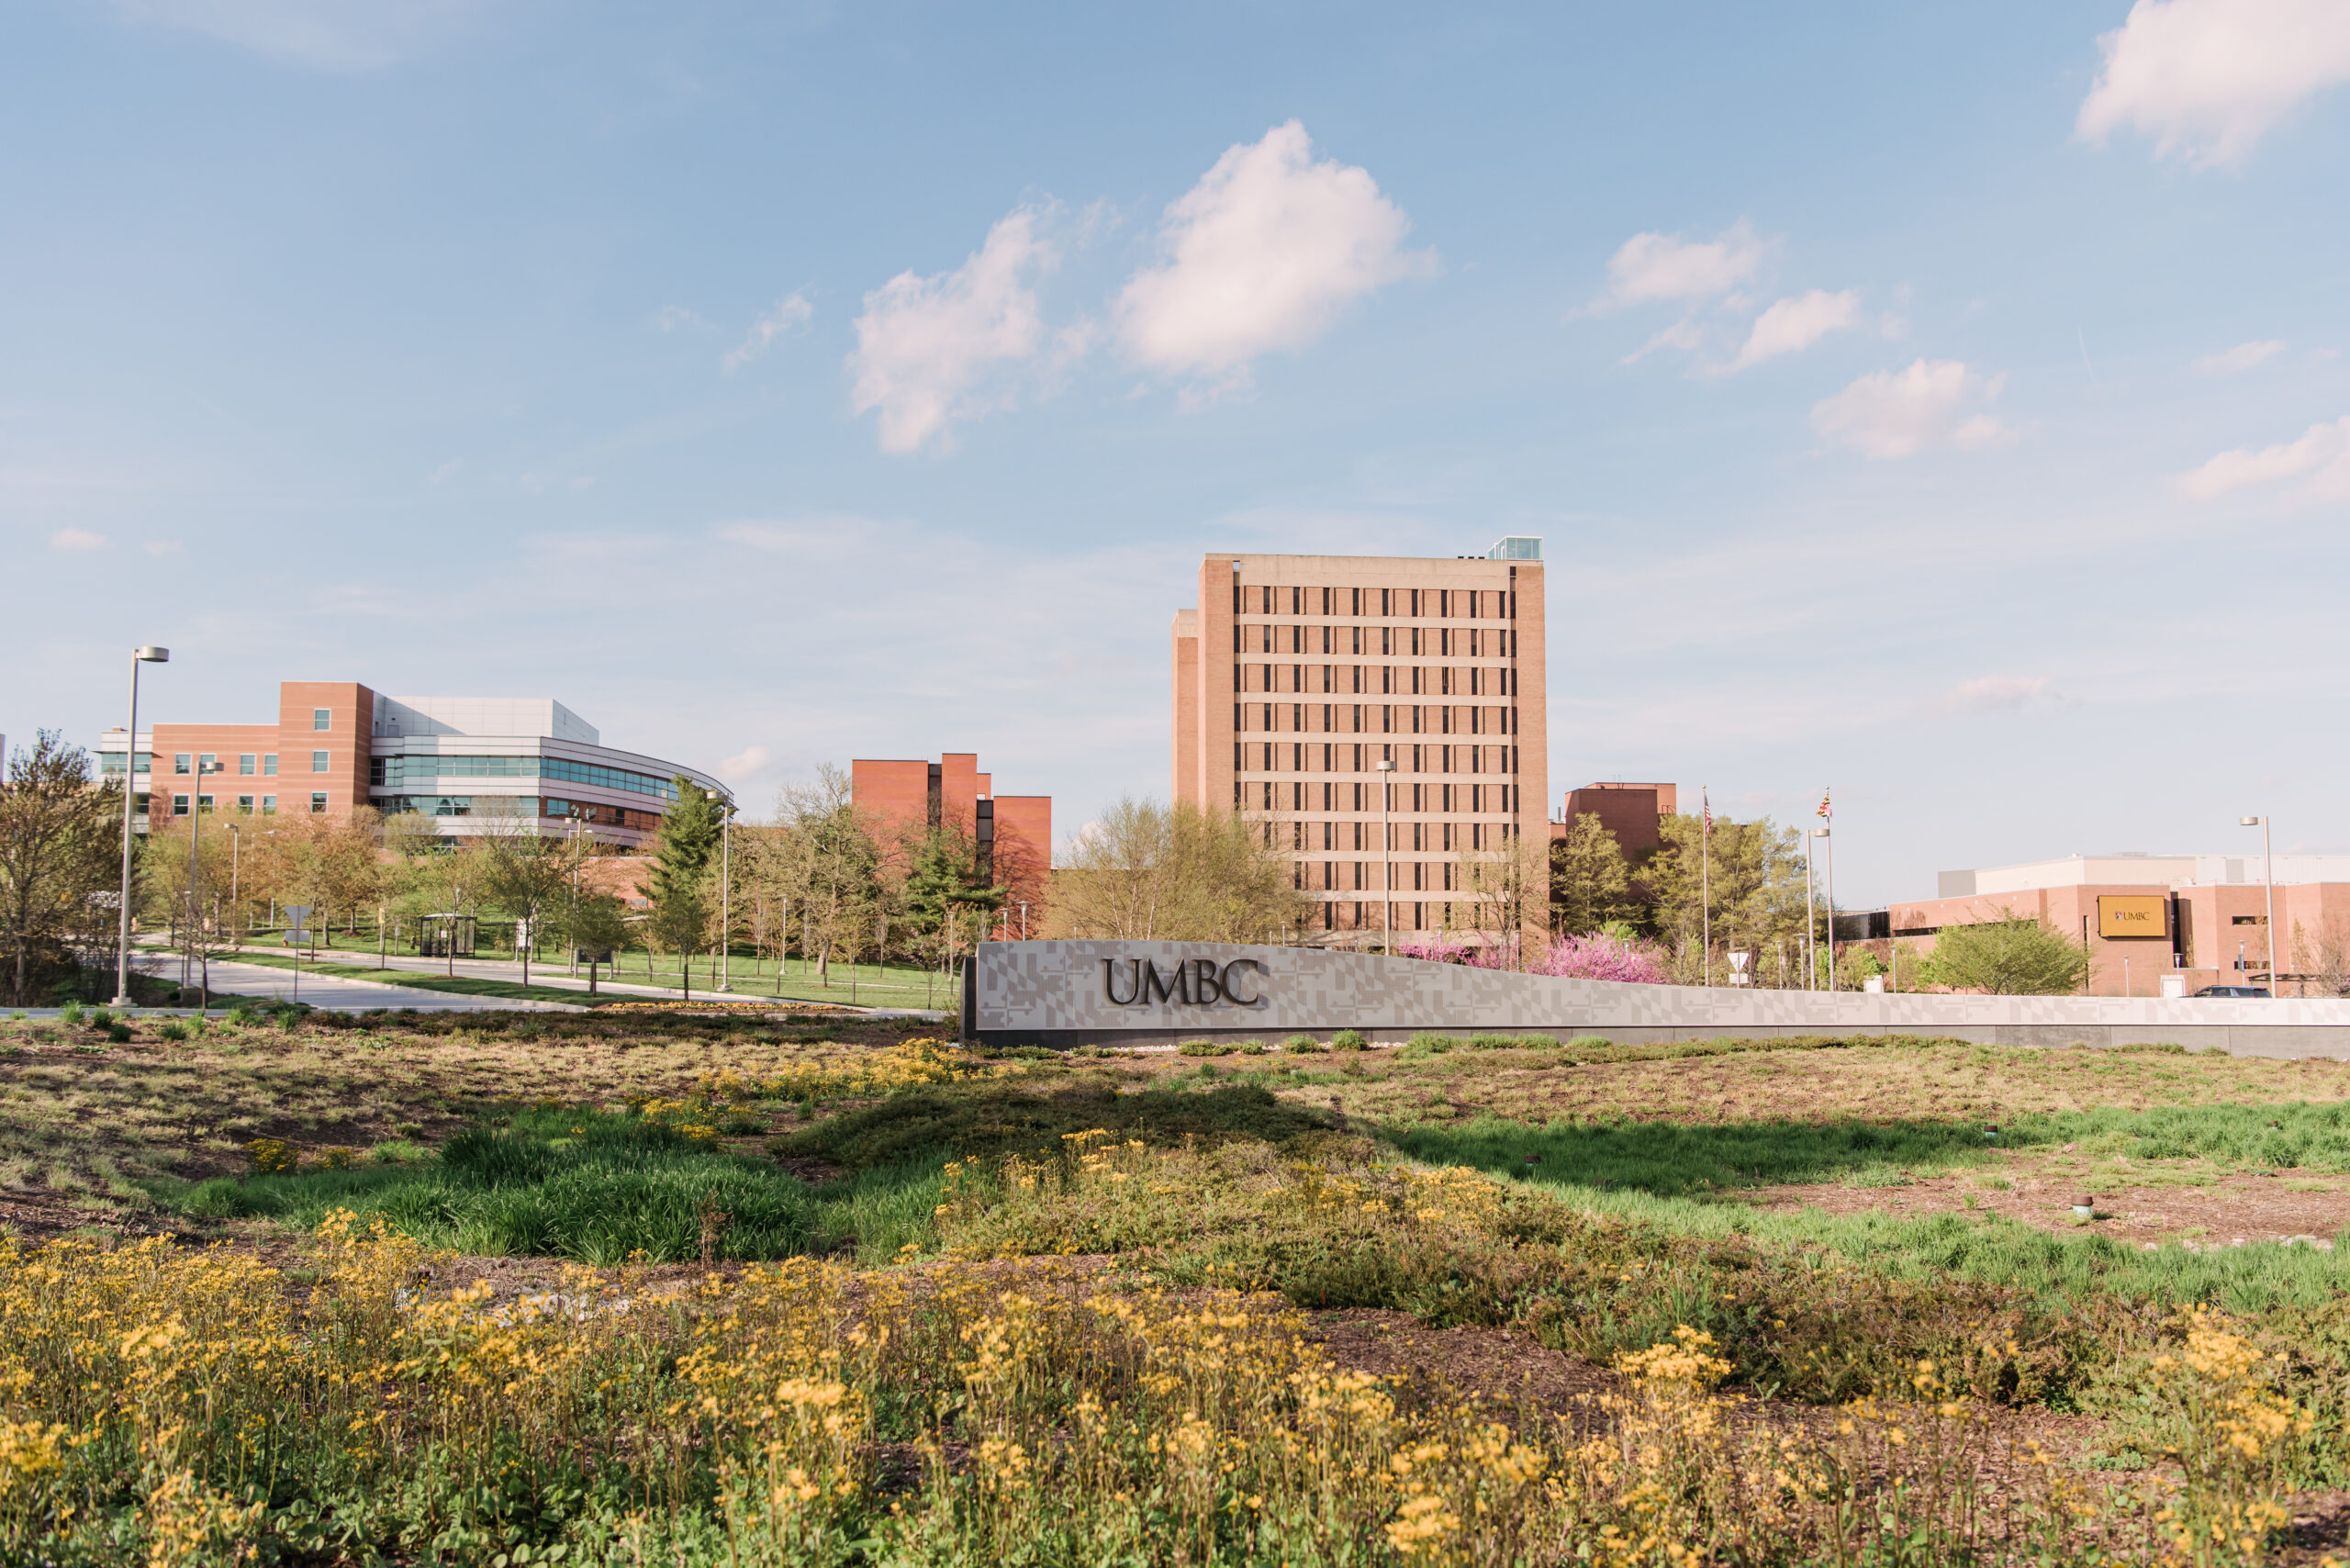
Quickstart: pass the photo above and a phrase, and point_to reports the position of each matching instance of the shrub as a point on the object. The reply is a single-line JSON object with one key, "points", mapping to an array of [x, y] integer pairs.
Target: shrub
{"points": [[1206, 1049], [119, 1034], [1348, 1040], [70, 1013], [174, 1031], [1602, 956], [102, 1019], [272, 1157], [1252, 1048], [2007, 958], [1590, 1042], [1301, 1043], [1426, 1043]]}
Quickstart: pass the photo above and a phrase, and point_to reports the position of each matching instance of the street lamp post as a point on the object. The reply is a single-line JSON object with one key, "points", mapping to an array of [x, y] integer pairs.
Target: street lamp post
{"points": [[2268, 877], [1385, 766], [725, 892], [1810, 915], [130, 796], [1830, 846], [195, 833]]}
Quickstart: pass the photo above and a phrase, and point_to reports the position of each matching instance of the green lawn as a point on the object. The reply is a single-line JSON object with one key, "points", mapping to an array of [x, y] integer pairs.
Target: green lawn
{"points": [[871, 985]]}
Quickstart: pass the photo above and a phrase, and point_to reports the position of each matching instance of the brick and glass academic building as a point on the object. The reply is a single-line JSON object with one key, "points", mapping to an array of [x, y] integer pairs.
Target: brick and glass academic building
{"points": [[337, 745], [1321, 695]]}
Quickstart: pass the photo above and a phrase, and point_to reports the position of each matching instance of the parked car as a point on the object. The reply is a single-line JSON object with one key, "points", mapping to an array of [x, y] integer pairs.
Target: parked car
{"points": [[2234, 991]]}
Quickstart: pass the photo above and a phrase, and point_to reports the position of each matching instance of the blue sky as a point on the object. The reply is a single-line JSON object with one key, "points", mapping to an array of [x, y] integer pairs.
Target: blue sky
{"points": [[1943, 403]]}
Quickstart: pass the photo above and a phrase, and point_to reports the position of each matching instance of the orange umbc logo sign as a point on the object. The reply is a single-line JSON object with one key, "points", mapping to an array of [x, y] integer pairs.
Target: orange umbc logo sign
{"points": [[2132, 914]]}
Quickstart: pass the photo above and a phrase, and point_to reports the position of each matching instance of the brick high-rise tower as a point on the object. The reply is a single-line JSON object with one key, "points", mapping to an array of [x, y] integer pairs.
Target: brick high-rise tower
{"points": [[1298, 675]]}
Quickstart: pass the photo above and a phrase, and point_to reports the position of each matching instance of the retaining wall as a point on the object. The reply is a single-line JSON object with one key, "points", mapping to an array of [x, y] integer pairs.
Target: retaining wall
{"points": [[1073, 994]]}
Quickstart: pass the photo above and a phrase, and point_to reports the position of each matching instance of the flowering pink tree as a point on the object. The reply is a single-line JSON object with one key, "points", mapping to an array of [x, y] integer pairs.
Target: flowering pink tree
{"points": [[1600, 957]]}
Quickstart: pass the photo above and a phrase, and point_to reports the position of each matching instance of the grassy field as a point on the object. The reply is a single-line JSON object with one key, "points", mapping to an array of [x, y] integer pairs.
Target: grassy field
{"points": [[867, 984], [641, 1287]]}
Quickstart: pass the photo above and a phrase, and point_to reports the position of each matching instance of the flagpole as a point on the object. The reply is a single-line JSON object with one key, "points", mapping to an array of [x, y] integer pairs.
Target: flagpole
{"points": [[1827, 815], [1705, 881]]}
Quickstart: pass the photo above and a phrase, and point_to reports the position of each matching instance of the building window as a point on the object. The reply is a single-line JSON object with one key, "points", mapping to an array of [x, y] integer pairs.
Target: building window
{"points": [[179, 805], [269, 805], [318, 762], [183, 762], [269, 765], [245, 804], [244, 764], [203, 803], [208, 763], [320, 719], [138, 803], [319, 804]]}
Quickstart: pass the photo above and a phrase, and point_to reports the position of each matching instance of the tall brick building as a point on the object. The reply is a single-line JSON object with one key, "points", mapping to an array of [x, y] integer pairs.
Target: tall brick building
{"points": [[1012, 834], [1296, 675]]}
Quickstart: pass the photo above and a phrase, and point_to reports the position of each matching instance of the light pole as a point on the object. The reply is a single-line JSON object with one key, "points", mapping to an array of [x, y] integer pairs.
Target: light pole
{"points": [[195, 833], [1385, 766], [1829, 846], [1810, 916], [130, 796], [2269, 876], [725, 891]]}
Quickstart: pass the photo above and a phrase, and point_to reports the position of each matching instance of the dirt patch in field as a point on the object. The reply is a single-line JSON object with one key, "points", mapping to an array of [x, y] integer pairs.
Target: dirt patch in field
{"points": [[2147, 1207]]}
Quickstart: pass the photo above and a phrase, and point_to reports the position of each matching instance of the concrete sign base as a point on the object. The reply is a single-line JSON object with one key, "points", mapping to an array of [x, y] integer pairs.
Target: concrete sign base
{"points": [[1074, 994]]}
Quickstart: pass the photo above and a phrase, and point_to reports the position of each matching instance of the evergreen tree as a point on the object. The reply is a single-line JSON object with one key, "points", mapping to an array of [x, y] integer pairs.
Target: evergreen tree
{"points": [[688, 841], [944, 874]]}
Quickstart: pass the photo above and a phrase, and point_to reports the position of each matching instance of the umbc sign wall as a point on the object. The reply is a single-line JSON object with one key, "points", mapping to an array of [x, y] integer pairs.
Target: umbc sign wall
{"points": [[1196, 982], [1136, 993]]}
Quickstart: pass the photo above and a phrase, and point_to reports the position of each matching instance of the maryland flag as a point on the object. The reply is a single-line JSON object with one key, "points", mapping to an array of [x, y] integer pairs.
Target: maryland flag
{"points": [[1824, 811]]}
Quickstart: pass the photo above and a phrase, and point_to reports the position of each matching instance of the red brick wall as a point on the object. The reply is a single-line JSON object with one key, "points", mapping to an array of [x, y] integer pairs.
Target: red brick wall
{"points": [[1628, 811], [346, 740], [227, 741], [891, 797]]}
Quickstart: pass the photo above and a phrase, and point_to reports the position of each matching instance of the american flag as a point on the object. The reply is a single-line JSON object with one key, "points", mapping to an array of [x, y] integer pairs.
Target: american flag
{"points": [[1706, 800]]}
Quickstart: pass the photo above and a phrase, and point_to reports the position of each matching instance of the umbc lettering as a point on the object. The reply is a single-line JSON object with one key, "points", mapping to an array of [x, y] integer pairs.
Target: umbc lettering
{"points": [[1194, 982]]}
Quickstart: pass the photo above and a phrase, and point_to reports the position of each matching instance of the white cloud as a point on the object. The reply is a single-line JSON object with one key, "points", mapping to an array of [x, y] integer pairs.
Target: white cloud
{"points": [[2322, 454], [1263, 254], [161, 547], [2208, 78], [1796, 323], [1651, 267], [1992, 694], [76, 539], [792, 313], [931, 351], [320, 35], [748, 763], [669, 318], [2243, 356], [1900, 413]]}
